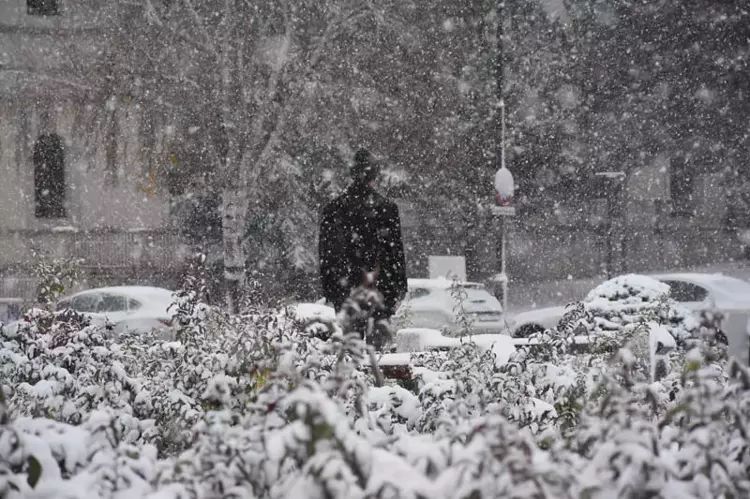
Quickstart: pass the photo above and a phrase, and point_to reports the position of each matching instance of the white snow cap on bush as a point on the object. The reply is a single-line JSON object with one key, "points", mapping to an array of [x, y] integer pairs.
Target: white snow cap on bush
{"points": [[632, 299], [631, 289]]}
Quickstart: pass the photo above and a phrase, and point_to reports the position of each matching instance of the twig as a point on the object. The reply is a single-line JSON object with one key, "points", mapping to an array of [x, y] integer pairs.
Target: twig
{"points": [[152, 15], [379, 381], [371, 352], [199, 23]]}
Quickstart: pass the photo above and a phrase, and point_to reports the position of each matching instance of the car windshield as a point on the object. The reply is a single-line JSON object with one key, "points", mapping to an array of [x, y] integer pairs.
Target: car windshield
{"points": [[86, 302], [112, 303], [96, 302]]}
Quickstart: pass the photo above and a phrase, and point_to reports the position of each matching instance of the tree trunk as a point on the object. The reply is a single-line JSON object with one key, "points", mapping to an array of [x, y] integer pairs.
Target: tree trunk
{"points": [[234, 212]]}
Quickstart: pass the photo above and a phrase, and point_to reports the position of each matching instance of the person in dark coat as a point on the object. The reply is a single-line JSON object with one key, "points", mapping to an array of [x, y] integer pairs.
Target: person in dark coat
{"points": [[360, 241]]}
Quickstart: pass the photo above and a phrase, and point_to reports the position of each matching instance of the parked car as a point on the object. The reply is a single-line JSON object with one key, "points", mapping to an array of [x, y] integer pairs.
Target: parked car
{"points": [[133, 308], [128, 308], [435, 304], [696, 292], [430, 304]]}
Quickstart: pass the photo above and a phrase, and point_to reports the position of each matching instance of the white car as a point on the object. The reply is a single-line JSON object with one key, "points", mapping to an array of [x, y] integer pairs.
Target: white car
{"points": [[434, 304], [696, 292], [129, 308]]}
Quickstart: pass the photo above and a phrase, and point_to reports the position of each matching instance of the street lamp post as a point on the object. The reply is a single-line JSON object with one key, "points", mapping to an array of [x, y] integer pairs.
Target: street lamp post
{"points": [[504, 188], [499, 84], [503, 183]]}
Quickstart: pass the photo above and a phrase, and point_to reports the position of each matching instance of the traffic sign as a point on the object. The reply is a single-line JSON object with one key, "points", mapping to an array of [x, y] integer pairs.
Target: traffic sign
{"points": [[504, 186]]}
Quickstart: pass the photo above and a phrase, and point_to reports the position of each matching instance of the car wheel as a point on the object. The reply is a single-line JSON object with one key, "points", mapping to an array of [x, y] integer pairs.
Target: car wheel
{"points": [[527, 330]]}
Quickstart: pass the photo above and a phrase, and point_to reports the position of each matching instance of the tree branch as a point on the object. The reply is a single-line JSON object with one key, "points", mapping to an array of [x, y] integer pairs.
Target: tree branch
{"points": [[279, 67], [199, 23], [152, 15], [265, 142]]}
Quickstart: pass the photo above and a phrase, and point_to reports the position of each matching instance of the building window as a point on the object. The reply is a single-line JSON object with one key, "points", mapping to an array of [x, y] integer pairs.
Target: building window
{"points": [[682, 187], [43, 7], [49, 177]]}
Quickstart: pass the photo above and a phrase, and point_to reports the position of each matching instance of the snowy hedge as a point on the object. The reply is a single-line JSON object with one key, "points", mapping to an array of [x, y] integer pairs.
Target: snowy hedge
{"points": [[256, 406]]}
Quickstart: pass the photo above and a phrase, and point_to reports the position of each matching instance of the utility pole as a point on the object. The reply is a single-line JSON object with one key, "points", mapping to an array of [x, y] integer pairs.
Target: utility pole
{"points": [[504, 185], [499, 84]]}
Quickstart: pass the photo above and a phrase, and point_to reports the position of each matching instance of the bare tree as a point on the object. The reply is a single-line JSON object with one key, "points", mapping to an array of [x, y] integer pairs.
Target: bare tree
{"points": [[240, 70]]}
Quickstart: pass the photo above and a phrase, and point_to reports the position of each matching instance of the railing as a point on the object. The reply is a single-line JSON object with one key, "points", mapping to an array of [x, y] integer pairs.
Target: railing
{"points": [[97, 249], [160, 250], [145, 252]]}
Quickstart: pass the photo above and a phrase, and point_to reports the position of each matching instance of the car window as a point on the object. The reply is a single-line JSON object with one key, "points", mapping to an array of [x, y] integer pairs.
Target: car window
{"points": [[418, 293], [88, 302], [686, 292], [133, 304], [112, 303]]}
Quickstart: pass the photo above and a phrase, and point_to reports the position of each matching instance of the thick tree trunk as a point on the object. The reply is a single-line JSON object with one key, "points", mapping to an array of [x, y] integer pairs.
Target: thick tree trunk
{"points": [[234, 212]]}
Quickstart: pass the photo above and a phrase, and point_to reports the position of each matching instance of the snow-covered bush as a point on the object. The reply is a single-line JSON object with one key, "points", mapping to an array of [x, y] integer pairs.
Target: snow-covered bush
{"points": [[625, 302], [628, 323], [253, 406], [55, 275]]}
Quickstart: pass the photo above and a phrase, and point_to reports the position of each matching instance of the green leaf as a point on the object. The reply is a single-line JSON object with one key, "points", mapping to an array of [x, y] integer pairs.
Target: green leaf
{"points": [[35, 472], [692, 366]]}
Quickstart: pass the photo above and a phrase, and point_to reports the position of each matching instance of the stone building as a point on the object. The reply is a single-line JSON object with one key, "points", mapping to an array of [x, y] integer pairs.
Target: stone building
{"points": [[76, 167]]}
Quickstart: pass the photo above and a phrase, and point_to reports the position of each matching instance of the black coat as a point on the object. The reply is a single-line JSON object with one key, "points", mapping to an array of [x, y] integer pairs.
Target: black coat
{"points": [[360, 232]]}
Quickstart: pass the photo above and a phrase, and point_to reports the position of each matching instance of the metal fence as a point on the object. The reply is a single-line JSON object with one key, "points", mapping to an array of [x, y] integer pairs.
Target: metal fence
{"points": [[146, 256], [159, 250]]}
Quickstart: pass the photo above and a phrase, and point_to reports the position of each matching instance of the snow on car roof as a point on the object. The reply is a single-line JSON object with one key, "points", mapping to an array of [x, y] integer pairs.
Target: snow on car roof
{"points": [[697, 277], [540, 314], [723, 284], [728, 289], [636, 287], [132, 291], [440, 283]]}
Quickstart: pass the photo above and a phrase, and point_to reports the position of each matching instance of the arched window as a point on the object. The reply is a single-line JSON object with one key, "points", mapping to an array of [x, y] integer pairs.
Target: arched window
{"points": [[49, 177]]}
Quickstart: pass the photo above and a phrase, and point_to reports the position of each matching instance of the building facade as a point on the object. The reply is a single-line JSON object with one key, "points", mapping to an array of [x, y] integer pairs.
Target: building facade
{"points": [[76, 167]]}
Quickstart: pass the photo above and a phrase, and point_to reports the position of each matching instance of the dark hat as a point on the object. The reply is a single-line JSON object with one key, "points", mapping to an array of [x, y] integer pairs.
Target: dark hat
{"points": [[364, 169]]}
